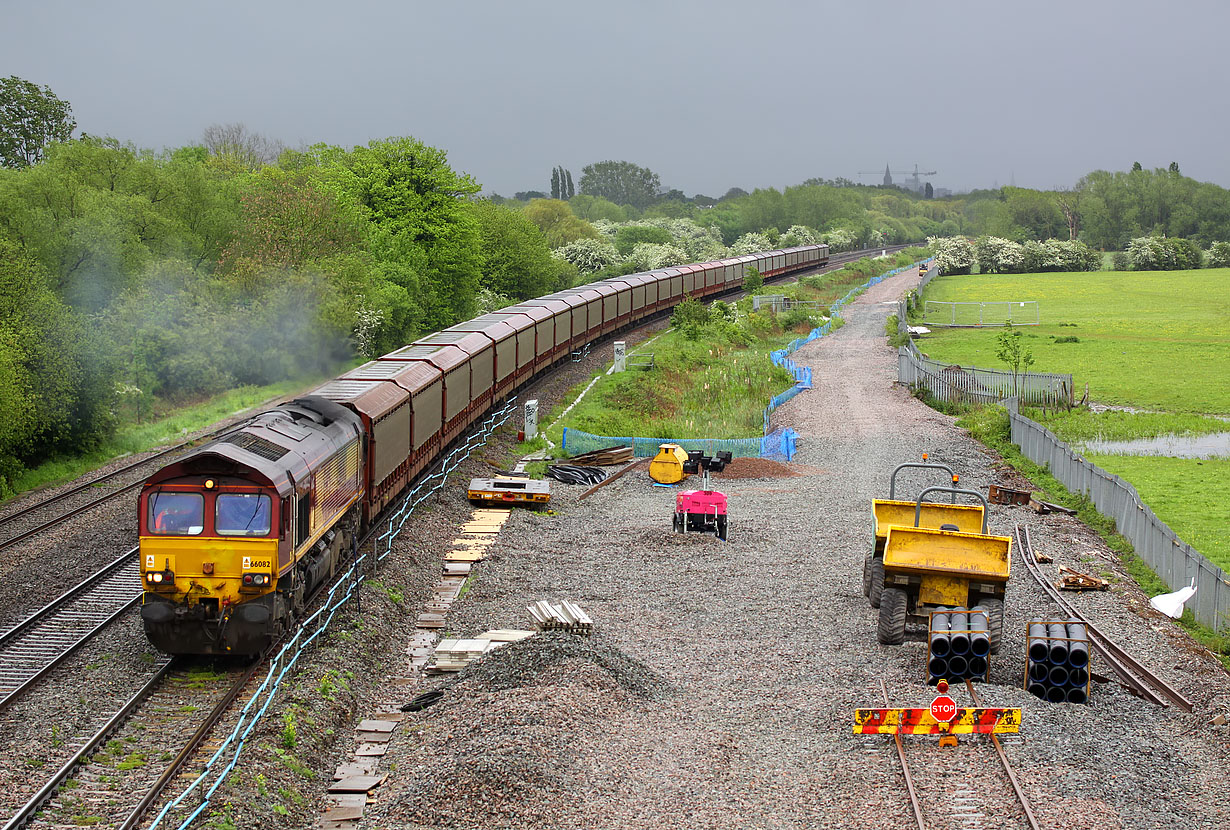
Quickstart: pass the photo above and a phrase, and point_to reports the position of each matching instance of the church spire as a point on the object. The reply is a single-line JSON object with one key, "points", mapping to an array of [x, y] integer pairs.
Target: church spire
{"points": [[888, 177]]}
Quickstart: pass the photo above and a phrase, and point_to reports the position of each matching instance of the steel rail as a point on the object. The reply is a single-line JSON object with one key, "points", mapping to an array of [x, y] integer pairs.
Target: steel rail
{"points": [[905, 768], [31, 808], [1003, 758], [54, 629], [187, 752], [50, 523], [1134, 675]]}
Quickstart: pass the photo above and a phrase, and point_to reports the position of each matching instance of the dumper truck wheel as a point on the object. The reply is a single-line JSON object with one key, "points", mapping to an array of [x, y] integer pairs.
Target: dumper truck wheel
{"points": [[891, 628], [877, 582], [995, 625], [721, 528], [676, 524], [871, 555]]}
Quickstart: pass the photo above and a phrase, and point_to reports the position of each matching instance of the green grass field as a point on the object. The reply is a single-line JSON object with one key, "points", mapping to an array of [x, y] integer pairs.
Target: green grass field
{"points": [[1155, 340], [1187, 494]]}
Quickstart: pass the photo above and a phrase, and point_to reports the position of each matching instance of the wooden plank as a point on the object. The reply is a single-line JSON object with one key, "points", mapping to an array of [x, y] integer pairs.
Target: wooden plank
{"points": [[346, 800], [376, 726], [376, 750], [339, 814], [357, 784], [613, 477]]}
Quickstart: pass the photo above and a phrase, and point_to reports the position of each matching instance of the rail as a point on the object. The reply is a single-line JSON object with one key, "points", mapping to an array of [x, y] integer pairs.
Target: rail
{"points": [[43, 640], [1134, 675], [344, 589]]}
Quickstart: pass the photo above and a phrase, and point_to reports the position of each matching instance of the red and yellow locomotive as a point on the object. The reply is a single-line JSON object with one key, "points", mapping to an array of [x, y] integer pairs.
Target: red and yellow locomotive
{"points": [[236, 535]]}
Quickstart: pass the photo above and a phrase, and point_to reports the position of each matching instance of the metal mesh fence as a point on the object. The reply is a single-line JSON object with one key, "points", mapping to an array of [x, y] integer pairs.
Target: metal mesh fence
{"points": [[575, 442], [971, 384], [1172, 559], [977, 314]]}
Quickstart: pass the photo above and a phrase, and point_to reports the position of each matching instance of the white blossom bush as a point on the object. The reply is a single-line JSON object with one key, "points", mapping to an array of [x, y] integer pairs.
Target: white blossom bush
{"points": [[997, 255], [1040, 257], [589, 255], [367, 323], [797, 235], [1060, 255], [953, 254], [839, 239], [488, 301], [646, 256], [1150, 253], [606, 227], [750, 243], [1218, 256]]}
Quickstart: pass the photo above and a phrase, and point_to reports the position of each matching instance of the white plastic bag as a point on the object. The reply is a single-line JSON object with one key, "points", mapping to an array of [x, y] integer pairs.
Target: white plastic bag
{"points": [[1172, 604]]}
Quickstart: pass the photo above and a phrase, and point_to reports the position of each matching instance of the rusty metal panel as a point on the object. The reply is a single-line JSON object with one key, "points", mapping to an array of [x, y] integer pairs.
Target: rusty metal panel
{"points": [[385, 409], [503, 335], [524, 326], [424, 382], [481, 352], [544, 328]]}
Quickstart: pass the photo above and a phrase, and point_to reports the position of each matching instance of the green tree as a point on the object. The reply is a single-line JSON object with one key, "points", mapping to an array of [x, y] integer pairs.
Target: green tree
{"points": [[572, 191], [418, 218], [622, 182], [753, 281], [30, 119], [629, 236], [555, 183], [557, 222], [56, 387], [593, 208], [1013, 352], [517, 261]]}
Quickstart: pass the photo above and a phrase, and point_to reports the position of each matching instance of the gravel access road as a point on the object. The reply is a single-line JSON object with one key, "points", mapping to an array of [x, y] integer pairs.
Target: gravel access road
{"points": [[718, 690]]}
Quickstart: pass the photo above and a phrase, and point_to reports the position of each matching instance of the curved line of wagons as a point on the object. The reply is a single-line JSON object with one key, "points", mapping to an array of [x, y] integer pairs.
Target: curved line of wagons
{"points": [[347, 449]]}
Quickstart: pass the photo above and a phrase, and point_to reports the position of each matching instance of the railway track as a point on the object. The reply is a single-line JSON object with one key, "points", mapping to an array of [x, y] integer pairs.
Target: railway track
{"points": [[118, 772], [951, 788], [1138, 679], [39, 643], [31, 520]]}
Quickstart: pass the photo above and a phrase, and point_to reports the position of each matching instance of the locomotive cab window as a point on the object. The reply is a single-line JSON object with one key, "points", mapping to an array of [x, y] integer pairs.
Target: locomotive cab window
{"points": [[243, 514], [176, 514]]}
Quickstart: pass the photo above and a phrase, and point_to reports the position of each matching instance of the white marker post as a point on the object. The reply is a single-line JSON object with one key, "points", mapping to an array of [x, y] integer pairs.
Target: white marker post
{"points": [[531, 419], [621, 351]]}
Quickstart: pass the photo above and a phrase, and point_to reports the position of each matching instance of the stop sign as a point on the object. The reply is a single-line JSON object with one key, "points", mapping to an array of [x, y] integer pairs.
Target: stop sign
{"points": [[943, 708]]}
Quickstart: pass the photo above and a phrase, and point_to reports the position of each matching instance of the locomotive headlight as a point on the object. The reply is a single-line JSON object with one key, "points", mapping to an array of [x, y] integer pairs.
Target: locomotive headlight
{"points": [[155, 577]]}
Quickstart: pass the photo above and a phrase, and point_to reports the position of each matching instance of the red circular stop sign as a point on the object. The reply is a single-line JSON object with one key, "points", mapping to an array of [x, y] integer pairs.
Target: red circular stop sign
{"points": [[943, 709]]}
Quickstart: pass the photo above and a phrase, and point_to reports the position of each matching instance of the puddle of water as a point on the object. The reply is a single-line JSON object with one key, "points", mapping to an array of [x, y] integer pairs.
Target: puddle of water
{"points": [[1214, 445]]}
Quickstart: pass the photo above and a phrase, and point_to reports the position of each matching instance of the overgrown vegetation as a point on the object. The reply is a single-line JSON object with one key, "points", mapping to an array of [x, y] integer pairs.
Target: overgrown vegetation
{"points": [[712, 376]]}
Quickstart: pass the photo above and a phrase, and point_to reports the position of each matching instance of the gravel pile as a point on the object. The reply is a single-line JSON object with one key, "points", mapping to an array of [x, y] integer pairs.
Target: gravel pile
{"points": [[550, 657], [768, 645]]}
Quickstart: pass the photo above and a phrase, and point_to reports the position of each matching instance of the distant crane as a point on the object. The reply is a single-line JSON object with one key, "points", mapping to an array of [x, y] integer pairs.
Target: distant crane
{"points": [[914, 180]]}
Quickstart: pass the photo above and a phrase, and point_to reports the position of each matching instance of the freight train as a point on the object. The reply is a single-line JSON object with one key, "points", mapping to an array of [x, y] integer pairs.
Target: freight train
{"points": [[237, 535]]}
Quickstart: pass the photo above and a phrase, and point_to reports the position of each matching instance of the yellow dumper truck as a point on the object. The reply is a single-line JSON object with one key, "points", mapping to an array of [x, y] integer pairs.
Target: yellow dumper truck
{"points": [[926, 569], [969, 518]]}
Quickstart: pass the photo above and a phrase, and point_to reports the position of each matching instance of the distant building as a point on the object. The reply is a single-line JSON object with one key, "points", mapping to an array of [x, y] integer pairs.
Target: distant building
{"points": [[888, 177]]}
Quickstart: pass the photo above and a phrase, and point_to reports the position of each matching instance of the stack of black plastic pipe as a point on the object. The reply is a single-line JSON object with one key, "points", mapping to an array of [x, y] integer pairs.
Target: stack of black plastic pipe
{"points": [[1057, 668], [960, 645]]}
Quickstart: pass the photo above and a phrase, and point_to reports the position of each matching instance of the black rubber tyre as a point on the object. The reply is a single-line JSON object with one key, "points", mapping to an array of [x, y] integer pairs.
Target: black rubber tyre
{"points": [[877, 582], [891, 628], [721, 528], [676, 524], [995, 625], [871, 554]]}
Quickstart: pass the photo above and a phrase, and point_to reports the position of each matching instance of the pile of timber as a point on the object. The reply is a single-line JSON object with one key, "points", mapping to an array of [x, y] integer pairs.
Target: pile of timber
{"points": [[561, 616], [607, 457], [1070, 580], [455, 654]]}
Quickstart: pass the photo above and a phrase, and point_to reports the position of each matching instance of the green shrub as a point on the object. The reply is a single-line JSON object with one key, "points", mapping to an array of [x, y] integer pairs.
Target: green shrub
{"points": [[753, 281], [1120, 261]]}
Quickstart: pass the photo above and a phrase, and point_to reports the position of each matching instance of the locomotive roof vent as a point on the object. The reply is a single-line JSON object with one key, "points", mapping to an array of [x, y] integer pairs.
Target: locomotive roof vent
{"points": [[257, 445], [321, 410]]}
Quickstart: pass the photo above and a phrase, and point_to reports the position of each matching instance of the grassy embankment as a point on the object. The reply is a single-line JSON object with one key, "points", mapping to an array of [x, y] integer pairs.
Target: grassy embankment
{"points": [[714, 381], [165, 428], [1149, 340]]}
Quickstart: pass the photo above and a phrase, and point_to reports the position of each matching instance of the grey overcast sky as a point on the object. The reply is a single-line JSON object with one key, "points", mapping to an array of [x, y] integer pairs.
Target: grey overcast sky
{"points": [[709, 95]]}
